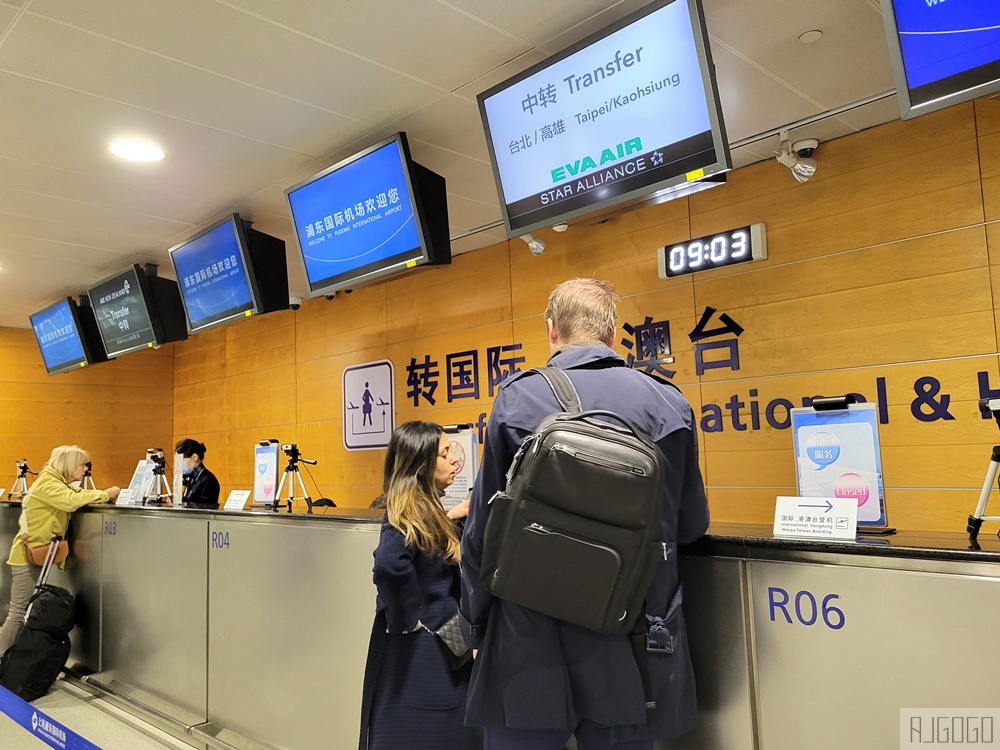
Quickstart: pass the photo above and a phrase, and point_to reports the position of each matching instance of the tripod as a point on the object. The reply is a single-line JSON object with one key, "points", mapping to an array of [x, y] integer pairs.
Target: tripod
{"points": [[292, 470], [20, 488], [159, 491], [87, 481], [977, 518]]}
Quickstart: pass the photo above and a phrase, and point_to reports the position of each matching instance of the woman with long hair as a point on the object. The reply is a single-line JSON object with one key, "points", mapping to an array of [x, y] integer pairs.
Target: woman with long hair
{"points": [[415, 691], [45, 513]]}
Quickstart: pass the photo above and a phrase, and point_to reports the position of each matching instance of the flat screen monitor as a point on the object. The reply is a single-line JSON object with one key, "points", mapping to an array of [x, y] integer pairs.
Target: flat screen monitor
{"points": [[64, 338], [372, 215], [137, 310], [215, 275], [629, 111], [942, 52]]}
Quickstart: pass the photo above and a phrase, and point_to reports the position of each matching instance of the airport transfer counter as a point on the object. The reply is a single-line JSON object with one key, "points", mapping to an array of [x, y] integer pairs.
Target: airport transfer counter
{"points": [[250, 630]]}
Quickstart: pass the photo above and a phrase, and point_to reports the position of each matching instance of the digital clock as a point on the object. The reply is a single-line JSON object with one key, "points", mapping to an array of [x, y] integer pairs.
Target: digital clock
{"points": [[712, 251]]}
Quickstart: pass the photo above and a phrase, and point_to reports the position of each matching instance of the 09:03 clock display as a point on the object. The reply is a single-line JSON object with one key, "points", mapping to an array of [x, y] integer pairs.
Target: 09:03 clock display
{"points": [[713, 251]]}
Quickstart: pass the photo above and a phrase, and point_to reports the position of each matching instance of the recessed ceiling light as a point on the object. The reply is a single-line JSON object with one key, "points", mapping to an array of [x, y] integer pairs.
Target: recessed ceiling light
{"points": [[136, 151], [811, 37]]}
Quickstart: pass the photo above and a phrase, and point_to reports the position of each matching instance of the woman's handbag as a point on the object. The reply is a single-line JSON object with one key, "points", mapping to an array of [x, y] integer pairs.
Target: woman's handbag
{"points": [[455, 650], [36, 555]]}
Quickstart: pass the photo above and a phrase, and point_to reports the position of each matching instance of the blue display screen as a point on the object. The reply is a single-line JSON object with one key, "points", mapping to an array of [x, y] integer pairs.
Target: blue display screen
{"points": [[58, 337], [213, 277], [356, 219], [943, 38]]}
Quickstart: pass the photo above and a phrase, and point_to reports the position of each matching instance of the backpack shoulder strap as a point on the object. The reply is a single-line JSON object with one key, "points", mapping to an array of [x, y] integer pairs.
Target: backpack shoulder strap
{"points": [[562, 387]]}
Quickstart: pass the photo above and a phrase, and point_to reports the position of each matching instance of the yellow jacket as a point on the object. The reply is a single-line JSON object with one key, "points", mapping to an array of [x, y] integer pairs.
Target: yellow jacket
{"points": [[46, 511]]}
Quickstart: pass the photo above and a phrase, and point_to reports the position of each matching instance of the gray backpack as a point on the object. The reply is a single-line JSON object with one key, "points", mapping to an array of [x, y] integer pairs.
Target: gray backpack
{"points": [[576, 533]]}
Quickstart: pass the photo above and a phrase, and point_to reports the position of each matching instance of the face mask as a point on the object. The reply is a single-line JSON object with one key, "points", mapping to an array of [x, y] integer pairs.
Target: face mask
{"points": [[187, 470]]}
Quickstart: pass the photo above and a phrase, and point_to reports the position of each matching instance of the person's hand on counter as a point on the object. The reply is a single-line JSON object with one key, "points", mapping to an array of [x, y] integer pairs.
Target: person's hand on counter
{"points": [[461, 510], [113, 493]]}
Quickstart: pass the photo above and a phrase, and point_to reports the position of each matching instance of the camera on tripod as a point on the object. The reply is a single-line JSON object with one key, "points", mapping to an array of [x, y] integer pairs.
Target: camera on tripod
{"points": [[156, 456], [292, 451], [22, 467], [990, 406]]}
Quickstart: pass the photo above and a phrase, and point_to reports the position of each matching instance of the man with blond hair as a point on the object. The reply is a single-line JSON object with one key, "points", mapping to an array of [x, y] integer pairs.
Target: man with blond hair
{"points": [[537, 681]]}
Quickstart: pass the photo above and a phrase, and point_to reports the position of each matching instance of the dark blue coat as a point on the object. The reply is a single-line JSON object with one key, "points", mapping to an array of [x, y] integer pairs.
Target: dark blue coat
{"points": [[412, 698], [201, 489], [537, 672]]}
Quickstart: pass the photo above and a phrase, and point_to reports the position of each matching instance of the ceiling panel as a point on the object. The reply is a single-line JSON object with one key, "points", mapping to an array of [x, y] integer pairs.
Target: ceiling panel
{"points": [[500, 74], [7, 16], [584, 27], [469, 177], [387, 34], [55, 229], [852, 30], [84, 62], [530, 20], [752, 101], [103, 191], [200, 161], [451, 122], [85, 214], [227, 41]]}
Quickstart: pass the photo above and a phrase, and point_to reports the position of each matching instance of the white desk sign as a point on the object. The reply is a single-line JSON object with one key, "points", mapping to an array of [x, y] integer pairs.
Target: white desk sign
{"points": [[237, 500], [830, 518], [465, 446], [124, 497], [3, 491]]}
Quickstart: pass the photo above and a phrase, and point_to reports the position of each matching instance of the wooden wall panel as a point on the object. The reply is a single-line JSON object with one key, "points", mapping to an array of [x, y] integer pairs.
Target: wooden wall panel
{"points": [[882, 269], [114, 410]]}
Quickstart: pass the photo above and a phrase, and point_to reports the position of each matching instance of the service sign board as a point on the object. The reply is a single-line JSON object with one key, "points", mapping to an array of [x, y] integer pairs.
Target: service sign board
{"points": [[265, 478], [837, 455], [121, 314], [237, 500], [138, 488], [356, 217], [58, 337], [625, 112], [464, 445], [830, 518], [369, 405], [212, 277]]}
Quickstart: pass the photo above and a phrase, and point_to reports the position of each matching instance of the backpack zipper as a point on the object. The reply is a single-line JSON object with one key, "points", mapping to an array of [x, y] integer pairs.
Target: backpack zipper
{"points": [[598, 460], [537, 528]]}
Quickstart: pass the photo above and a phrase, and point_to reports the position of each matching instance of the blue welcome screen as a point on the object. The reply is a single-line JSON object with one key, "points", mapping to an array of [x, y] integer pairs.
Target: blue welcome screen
{"points": [[942, 38], [58, 337], [212, 277], [354, 217]]}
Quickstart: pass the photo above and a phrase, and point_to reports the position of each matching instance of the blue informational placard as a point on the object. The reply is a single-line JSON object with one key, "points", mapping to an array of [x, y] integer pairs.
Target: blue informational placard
{"points": [[59, 338], [213, 277], [356, 218], [940, 38], [837, 455]]}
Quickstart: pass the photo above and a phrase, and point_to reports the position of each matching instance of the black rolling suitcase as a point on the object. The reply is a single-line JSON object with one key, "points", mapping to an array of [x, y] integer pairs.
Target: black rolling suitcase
{"points": [[32, 664]]}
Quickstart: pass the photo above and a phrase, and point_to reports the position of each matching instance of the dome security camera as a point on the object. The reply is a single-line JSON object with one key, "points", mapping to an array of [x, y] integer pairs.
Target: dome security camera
{"points": [[295, 302], [805, 148]]}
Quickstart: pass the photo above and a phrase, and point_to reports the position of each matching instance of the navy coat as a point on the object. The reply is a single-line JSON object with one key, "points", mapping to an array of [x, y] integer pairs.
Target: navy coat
{"points": [[533, 671], [412, 697], [201, 490]]}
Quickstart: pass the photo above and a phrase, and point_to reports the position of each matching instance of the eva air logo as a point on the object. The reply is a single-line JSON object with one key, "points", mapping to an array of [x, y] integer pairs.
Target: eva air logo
{"points": [[34, 722], [586, 163], [127, 286]]}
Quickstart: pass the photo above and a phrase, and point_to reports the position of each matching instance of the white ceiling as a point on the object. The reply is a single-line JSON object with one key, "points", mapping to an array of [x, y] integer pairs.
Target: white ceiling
{"points": [[248, 97]]}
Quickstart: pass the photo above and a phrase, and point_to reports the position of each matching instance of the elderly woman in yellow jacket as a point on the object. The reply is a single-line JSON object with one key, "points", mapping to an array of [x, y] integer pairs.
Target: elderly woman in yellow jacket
{"points": [[44, 514]]}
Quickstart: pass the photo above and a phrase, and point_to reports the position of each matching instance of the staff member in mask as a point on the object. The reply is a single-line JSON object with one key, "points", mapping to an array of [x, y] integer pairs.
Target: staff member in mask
{"points": [[201, 488]]}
